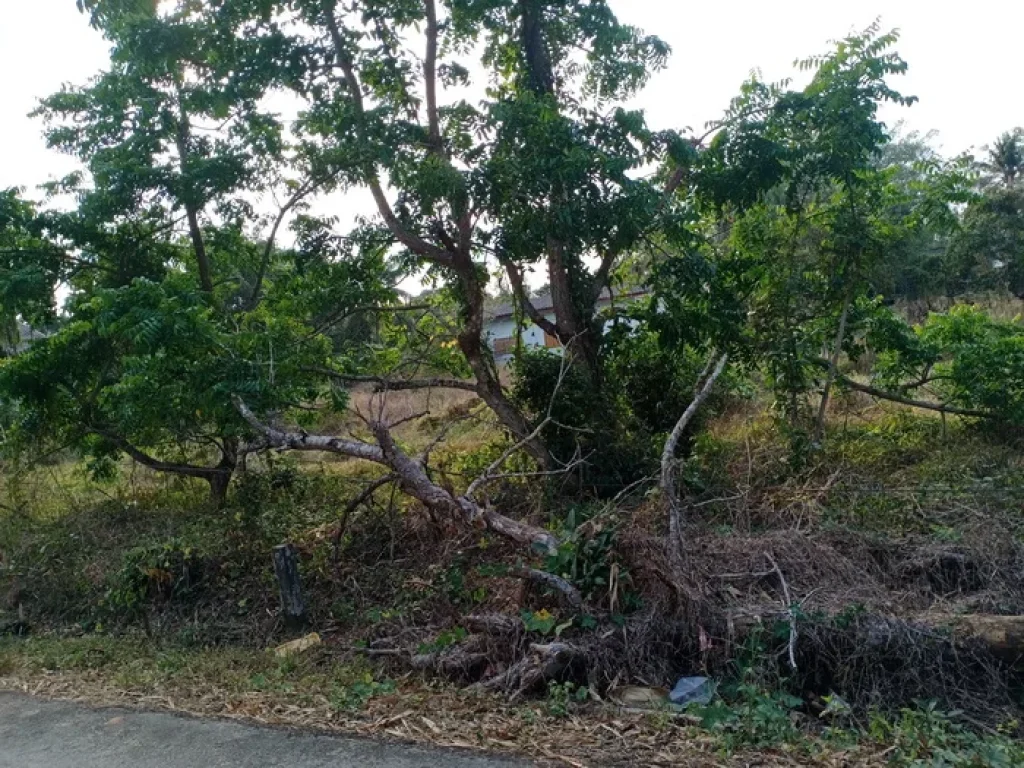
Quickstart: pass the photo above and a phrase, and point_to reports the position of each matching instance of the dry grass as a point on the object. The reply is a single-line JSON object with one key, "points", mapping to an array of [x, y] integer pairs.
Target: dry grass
{"points": [[222, 684]]}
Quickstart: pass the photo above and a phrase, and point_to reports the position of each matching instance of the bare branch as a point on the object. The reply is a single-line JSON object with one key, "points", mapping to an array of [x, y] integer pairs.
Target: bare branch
{"points": [[790, 609], [407, 419], [352, 506], [895, 398], [668, 459], [300, 441], [489, 474]]}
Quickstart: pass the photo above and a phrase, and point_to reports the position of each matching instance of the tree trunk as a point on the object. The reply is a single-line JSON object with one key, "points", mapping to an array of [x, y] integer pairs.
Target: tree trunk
{"points": [[540, 77], [221, 475], [578, 334], [488, 386], [191, 206], [293, 603], [833, 369]]}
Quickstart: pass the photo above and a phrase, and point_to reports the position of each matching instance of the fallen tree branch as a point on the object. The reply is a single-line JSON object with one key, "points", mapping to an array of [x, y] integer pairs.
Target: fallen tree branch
{"points": [[411, 473]]}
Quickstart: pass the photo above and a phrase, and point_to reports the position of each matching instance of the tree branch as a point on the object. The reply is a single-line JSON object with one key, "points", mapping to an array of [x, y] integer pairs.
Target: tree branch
{"points": [[157, 465], [603, 271], [308, 187], [668, 459], [343, 314], [399, 385], [515, 277], [412, 475], [411, 241], [881, 394], [300, 441]]}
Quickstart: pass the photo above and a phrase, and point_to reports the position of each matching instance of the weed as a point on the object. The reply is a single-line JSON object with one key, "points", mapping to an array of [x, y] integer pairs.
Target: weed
{"points": [[443, 641], [562, 696], [358, 693]]}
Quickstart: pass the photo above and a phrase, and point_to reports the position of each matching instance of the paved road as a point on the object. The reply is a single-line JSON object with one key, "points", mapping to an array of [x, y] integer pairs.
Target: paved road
{"points": [[49, 734]]}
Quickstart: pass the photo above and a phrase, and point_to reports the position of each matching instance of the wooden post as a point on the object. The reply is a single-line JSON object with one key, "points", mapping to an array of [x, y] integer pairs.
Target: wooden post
{"points": [[286, 567]]}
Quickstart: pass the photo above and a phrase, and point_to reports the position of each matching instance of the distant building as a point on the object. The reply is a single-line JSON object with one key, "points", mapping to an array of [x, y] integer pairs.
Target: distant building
{"points": [[500, 327]]}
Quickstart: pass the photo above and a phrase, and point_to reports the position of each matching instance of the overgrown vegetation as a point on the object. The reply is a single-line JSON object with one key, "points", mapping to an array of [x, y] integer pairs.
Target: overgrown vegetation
{"points": [[767, 466]]}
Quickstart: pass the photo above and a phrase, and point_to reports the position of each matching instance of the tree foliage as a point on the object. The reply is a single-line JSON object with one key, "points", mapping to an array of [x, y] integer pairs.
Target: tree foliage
{"points": [[494, 140]]}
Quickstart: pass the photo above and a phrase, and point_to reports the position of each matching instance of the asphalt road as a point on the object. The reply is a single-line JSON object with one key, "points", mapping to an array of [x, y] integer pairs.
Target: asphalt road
{"points": [[51, 734]]}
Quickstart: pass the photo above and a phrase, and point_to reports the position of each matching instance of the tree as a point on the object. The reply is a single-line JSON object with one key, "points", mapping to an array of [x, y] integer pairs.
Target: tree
{"points": [[1005, 161], [988, 251], [931, 192], [796, 215], [168, 264]]}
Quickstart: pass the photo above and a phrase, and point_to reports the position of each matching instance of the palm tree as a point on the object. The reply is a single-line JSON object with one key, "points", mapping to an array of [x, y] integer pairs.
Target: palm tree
{"points": [[1006, 158]]}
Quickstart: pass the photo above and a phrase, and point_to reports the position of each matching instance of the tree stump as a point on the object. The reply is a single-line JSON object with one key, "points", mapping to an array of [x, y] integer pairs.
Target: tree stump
{"points": [[293, 604]]}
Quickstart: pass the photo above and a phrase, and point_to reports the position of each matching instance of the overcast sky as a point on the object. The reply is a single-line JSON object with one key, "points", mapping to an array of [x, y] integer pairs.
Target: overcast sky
{"points": [[964, 62]]}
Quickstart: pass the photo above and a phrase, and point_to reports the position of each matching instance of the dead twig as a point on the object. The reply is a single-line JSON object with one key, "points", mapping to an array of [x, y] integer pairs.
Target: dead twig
{"points": [[790, 610]]}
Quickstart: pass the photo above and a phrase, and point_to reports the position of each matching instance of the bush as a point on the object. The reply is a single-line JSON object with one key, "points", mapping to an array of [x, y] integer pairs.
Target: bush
{"points": [[157, 573], [592, 424]]}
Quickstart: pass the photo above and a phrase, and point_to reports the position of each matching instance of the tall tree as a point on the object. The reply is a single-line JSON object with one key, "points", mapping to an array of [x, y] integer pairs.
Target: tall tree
{"points": [[1005, 158]]}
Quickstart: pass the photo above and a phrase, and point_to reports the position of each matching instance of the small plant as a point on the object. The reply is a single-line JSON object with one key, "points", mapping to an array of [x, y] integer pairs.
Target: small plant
{"points": [[561, 697], [926, 736], [752, 716], [169, 571], [544, 622], [587, 559], [444, 641], [356, 695]]}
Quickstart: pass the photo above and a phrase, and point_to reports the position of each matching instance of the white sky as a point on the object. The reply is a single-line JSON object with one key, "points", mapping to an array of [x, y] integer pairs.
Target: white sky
{"points": [[964, 61]]}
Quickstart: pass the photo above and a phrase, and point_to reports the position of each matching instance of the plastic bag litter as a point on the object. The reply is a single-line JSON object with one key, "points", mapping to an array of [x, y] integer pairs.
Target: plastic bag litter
{"points": [[693, 690]]}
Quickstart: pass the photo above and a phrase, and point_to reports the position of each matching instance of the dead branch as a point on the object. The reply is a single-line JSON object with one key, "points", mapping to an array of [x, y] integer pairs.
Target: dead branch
{"points": [[412, 475], [351, 507], [489, 474], [668, 459], [492, 623], [790, 609], [572, 596], [545, 662]]}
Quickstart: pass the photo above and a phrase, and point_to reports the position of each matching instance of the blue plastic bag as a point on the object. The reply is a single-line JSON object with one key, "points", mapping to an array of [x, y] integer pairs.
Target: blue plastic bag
{"points": [[693, 690]]}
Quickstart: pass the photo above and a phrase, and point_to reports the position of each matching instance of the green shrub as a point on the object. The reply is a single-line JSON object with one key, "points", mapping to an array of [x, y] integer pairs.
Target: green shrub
{"points": [[157, 573]]}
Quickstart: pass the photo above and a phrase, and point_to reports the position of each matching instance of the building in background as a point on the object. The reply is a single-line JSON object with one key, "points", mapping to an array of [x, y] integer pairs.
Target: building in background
{"points": [[500, 327]]}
